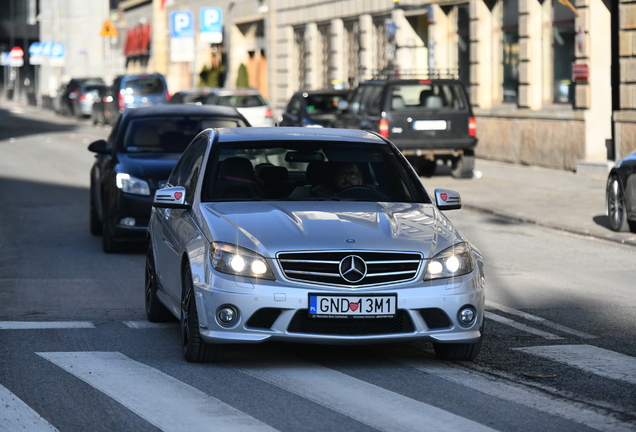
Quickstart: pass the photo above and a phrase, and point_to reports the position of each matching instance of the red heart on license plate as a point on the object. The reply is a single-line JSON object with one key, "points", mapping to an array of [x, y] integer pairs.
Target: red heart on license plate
{"points": [[178, 195], [353, 306], [443, 196]]}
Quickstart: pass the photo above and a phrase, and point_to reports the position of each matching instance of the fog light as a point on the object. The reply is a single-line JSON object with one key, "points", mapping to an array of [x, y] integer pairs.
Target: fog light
{"points": [[466, 315], [127, 221], [226, 315]]}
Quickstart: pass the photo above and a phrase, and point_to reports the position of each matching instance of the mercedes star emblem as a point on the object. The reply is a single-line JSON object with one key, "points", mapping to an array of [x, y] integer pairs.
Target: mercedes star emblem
{"points": [[353, 268]]}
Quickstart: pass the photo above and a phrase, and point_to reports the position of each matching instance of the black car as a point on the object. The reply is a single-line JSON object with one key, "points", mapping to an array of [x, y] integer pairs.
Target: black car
{"points": [[101, 113], [137, 159], [621, 195], [71, 93], [316, 108], [429, 120], [133, 91]]}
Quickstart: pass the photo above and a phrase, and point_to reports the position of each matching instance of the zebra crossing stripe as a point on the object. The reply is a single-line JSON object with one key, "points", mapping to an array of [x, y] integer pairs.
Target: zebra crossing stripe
{"points": [[35, 325], [160, 399], [367, 403], [15, 415], [589, 358], [522, 327]]}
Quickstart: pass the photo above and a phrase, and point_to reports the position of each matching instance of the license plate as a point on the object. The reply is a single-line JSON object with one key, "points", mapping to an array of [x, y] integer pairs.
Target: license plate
{"points": [[367, 306], [436, 125]]}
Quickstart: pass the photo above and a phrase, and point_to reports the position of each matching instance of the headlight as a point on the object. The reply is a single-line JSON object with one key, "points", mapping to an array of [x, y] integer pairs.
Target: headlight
{"points": [[132, 185], [454, 261], [232, 259]]}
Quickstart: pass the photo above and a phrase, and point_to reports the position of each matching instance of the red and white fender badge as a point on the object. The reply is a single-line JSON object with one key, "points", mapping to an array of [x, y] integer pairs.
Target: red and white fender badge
{"points": [[353, 306], [178, 195], [443, 196]]}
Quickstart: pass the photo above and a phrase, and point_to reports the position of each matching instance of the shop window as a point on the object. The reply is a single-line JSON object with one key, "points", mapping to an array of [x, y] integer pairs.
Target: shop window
{"points": [[563, 40], [510, 44]]}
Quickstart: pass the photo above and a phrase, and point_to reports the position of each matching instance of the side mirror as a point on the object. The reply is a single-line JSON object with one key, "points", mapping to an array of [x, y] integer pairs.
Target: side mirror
{"points": [[99, 146], [447, 199], [170, 197]]}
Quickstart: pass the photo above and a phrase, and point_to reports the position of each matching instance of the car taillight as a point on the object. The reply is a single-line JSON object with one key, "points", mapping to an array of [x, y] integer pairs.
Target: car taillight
{"points": [[120, 100], [84, 97], [384, 128], [472, 127], [268, 113], [168, 96]]}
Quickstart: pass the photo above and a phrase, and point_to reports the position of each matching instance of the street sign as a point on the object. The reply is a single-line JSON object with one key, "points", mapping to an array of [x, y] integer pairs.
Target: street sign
{"points": [[16, 57], [57, 54], [108, 29], [35, 53], [580, 72], [211, 25], [181, 24]]}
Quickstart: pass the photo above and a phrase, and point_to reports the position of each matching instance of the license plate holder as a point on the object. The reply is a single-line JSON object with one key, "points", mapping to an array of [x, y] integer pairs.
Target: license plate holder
{"points": [[351, 306]]}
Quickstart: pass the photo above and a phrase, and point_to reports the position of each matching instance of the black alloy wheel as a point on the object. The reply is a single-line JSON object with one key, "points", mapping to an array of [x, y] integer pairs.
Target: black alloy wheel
{"points": [[193, 347], [155, 310], [616, 206]]}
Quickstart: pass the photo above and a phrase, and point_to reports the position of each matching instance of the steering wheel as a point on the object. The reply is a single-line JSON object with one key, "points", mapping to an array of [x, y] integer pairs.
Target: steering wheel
{"points": [[362, 193]]}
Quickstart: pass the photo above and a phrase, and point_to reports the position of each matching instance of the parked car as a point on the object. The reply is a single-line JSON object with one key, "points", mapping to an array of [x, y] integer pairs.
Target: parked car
{"points": [[193, 95], [248, 102], [101, 112], [141, 150], [132, 91], [70, 94], [87, 93], [317, 108], [621, 195], [429, 120], [245, 217]]}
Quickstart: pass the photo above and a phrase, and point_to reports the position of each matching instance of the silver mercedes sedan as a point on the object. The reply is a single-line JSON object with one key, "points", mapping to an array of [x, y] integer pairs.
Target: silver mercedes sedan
{"points": [[313, 236]]}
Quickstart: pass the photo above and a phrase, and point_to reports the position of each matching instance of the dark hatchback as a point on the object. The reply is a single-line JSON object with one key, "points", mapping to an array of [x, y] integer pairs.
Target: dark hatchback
{"points": [[137, 159], [621, 195], [317, 108]]}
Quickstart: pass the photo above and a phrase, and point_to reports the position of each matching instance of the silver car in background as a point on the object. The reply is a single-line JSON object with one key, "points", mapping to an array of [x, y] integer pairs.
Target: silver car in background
{"points": [[309, 235]]}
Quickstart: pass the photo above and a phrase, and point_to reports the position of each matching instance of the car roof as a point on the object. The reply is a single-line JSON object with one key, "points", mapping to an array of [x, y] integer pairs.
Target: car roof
{"points": [[295, 133], [182, 109], [322, 92], [412, 81]]}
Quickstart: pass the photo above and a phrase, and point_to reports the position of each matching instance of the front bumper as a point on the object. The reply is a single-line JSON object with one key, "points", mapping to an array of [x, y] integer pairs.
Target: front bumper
{"points": [[277, 311]]}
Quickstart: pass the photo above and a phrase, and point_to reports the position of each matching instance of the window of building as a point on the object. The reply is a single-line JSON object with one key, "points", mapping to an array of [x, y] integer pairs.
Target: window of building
{"points": [[301, 53], [463, 44], [510, 55], [352, 53], [563, 40], [325, 57]]}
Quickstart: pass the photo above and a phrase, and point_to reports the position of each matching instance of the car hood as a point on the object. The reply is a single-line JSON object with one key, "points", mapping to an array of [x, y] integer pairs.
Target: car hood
{"points": [[155, 168], [275, 226]]}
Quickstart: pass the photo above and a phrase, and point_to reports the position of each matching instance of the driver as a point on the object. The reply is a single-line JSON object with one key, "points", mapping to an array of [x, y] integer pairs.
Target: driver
{"points": [[347, 174]]}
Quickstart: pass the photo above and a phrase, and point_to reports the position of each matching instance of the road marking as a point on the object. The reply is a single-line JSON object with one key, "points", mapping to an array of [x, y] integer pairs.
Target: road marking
{"points": [[589, 358], [543, 321], [522, 327], [367, 403], [520, 394], [148, 325], [35, 325], [15, 415], [160, 399]]}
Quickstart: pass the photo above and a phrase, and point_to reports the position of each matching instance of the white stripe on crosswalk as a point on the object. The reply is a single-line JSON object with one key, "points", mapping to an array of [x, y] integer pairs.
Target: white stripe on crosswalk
{"points": [[540, 320], [15, 415], [519, 394], [522, 327], [589, 358], [367, 403], [35, 325], [160, 399], [148, 325]]}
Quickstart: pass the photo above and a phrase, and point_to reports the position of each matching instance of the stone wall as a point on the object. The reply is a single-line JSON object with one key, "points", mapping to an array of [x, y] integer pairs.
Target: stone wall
{"points": [[550, 143]]}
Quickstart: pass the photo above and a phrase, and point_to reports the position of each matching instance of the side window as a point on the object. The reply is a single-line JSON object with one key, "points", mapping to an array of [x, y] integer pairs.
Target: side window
{"points": [[374, 99], [356, 100], [186, 172], [294, 106]]}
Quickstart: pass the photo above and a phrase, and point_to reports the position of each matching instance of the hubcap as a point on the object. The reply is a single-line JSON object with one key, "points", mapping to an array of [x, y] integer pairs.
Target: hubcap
{"points": [[615, 204]]}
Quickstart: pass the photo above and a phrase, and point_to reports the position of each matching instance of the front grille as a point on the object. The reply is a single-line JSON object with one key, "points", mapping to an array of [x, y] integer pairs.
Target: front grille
{"points": [[263, 318], [324, 267], [301, 323], [435, 318]]}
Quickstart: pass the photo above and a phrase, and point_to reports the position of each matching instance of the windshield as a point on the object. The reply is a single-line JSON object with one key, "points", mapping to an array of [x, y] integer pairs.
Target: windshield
{"points": [[144, 86], [169, 134], [426, 96], [241, 101], [323, 103], [308, 171]]}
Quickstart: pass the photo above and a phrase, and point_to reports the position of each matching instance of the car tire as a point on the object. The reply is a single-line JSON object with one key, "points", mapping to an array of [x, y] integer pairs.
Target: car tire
{"points": [[109, 242], [156, 312], [616, 206], [459, 351], [96, 224], [193, 347], [463, 167]]}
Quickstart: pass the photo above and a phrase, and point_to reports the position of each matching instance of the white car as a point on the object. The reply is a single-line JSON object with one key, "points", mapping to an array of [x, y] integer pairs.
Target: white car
{"points": [[249, 102], [309, 235]]}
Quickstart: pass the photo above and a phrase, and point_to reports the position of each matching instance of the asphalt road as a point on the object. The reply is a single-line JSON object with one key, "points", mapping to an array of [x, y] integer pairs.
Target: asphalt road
{"points": [[77, 354]]}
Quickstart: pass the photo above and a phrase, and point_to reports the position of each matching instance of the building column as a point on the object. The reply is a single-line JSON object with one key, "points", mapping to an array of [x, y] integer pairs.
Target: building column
{"points": [[286, 65], [530, 54], [312, 43], [482, 55], [367, 53], [443, 32], [336, 46]]}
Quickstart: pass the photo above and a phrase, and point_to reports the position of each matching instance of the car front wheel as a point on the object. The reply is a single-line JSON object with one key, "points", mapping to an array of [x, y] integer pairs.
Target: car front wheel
{"points": [[616, 206], [193, 347]]}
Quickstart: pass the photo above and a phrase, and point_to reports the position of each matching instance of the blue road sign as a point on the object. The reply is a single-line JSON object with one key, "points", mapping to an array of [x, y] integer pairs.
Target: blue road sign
{"points": [[211, 20], [181, 24]]}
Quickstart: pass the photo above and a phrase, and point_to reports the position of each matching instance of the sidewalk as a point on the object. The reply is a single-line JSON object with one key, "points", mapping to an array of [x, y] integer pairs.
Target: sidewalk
{"points": [[551, 198]]}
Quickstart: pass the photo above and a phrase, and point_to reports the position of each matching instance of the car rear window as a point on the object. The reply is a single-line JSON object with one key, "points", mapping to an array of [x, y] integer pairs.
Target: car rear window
{"points": [[169, 134], [241, 101], [144, 86], [323, 103], [423, 96]]}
